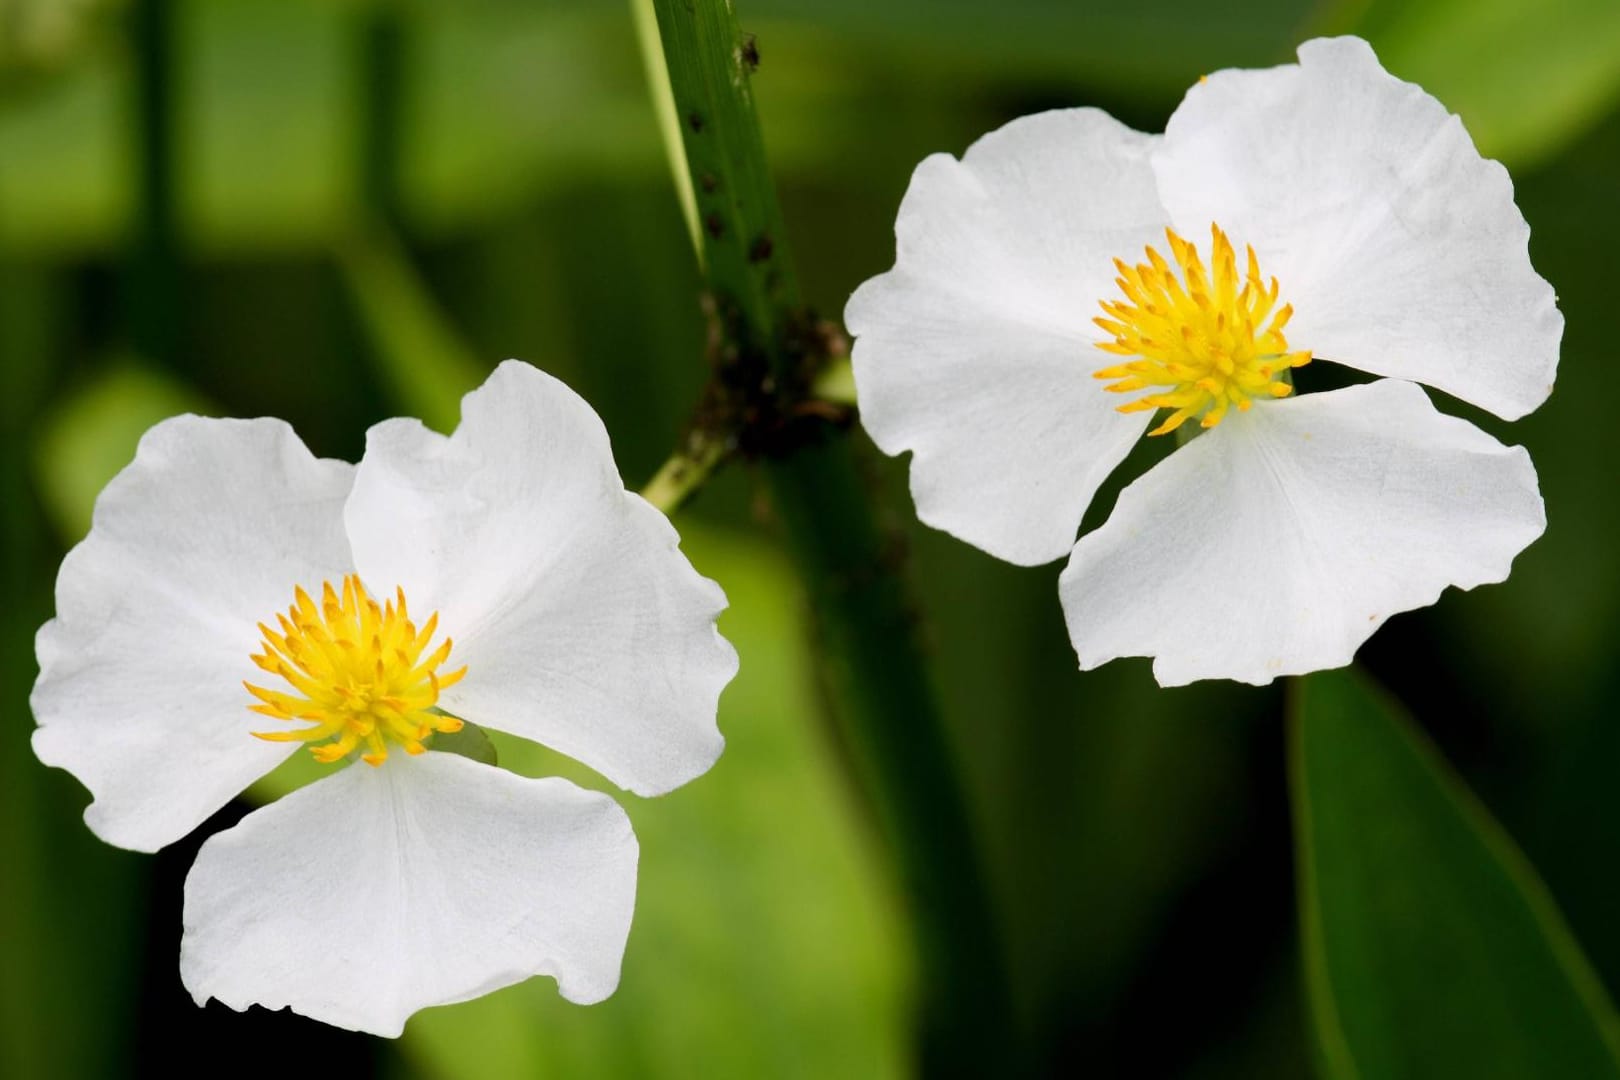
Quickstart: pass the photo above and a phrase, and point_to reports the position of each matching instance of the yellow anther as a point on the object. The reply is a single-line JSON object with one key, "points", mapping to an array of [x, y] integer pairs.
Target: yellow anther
{"points": [[1206, 341], [359, 673]]}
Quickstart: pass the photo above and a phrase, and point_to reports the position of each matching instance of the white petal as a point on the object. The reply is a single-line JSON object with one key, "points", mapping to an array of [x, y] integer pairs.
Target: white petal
{"points": [[581, 623], [140, 691], [1399, 246], [373, 893], [976, 352], [1278, 542]]}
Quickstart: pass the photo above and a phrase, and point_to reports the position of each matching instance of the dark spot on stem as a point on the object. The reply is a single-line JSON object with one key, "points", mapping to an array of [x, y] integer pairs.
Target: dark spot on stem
{"points": [[694, 120], [750, 52], [709, 183], [761, 248], [715, 226]]}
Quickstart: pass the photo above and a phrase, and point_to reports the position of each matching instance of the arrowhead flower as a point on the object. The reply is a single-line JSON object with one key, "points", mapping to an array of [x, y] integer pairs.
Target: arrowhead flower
{"points": [[238, 599], [1070, 283]]}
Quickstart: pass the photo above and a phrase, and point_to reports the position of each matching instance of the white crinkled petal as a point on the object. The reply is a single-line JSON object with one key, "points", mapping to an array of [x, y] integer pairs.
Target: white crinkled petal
{"points": [[581, 623], [1276, 543], [976, 352], [1400, 248], [375, 892], [140, 692]]}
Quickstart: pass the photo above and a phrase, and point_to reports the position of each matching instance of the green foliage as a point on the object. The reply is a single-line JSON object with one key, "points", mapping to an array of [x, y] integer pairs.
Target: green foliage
{"points": [[1431, 947], [505, 99], [1525, 77], [268, 110]]}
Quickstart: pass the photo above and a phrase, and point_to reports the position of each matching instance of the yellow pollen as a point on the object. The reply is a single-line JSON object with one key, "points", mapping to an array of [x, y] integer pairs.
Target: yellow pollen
{"points": [[1204, 342], [357, 674]]}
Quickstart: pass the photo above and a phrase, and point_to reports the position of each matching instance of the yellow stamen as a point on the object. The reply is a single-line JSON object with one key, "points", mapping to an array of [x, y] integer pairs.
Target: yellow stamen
{"points": [[361, 678], [1206, 341]]}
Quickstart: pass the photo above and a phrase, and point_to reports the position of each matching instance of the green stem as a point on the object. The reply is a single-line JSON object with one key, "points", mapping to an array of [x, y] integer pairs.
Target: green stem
{"points": [[878, 688], [680, 477], [152, 286], [836, 383]]}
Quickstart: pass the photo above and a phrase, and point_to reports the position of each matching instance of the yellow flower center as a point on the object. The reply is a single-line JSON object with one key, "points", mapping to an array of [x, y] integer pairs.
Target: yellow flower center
{"points": [[1204, 342], [359, 674]]}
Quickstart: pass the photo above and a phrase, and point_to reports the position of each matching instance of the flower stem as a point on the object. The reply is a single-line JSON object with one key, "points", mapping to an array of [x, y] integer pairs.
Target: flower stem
{"points": [[685, 471], [878, 689], [836, 383]]}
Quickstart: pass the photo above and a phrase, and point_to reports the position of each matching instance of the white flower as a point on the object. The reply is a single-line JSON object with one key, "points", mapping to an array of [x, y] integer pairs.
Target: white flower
{"points": [[413, 879], [1364, 229]]}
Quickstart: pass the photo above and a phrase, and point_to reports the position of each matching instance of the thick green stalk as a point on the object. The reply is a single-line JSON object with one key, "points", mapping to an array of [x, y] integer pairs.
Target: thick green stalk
{"points": [[764, 345]]}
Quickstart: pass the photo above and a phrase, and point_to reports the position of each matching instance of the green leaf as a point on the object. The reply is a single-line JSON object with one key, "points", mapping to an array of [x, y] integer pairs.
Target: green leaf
{"points": [[1525, 78], [471, 741], [1431, 946], [764, 942]]}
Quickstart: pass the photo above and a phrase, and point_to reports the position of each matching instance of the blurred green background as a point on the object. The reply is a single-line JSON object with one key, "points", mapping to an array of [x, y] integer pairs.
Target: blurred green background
{"points": [[1137, 840]]}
